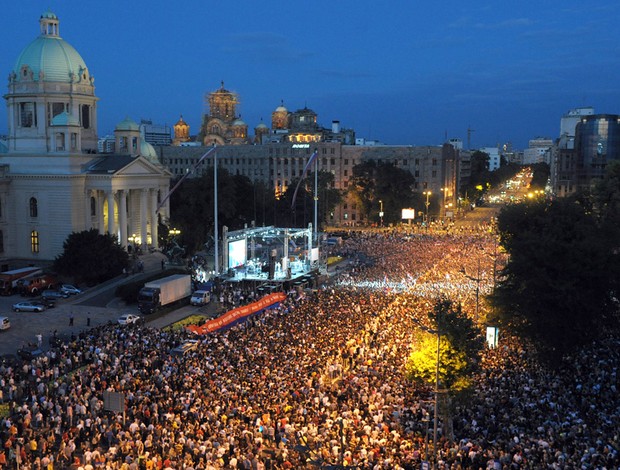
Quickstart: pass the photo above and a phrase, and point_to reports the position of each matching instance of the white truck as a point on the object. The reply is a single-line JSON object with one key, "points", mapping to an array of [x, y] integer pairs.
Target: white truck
{"points": [[162, 292]]}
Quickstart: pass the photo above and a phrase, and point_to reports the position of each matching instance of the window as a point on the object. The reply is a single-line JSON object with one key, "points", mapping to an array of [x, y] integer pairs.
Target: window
{"points": [[34, 241], [85, 115], [73, 141], [93, 207], [1, 242], [332, 161], [34, 209], [27, 115]]}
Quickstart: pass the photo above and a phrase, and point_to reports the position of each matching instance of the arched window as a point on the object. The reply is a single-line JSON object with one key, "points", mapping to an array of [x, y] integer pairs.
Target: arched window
{"points": [[34, 241], [93, 207], [34, 207]]}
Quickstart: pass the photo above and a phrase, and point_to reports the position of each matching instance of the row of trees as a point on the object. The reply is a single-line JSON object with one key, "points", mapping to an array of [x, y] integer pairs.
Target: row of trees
{"points": [[560, 287]]}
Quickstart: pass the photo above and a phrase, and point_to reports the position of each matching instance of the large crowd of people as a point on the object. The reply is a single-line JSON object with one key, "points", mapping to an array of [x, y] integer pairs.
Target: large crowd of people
{"points": [[317, 382]]}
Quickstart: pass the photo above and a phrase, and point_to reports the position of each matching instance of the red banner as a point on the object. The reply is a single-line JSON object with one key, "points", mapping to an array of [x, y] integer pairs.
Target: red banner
{"points": [[238, 314]]}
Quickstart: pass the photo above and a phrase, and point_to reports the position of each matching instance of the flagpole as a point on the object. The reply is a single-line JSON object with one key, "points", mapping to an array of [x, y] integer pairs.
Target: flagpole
{"points": [[215, 223], [316, 196]]}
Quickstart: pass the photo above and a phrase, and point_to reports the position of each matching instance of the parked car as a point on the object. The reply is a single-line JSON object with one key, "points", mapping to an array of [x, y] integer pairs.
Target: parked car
{"points": [[54, 294], [28, 307], [128, 319], [29, 352], [69, 289], [200, 297], [5, 324], [45, 303]]}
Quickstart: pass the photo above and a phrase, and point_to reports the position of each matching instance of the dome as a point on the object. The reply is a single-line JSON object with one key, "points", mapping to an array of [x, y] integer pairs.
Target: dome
{"points": [[238, 123], [127, 124], [51, 58], [65, 119], [148, 152], [262, 125], [181, 122], [281, 109]]}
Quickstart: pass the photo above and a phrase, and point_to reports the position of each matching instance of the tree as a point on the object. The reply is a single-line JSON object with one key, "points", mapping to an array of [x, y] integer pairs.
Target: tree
{"points": [[302, 213], [373, 182], [557, 289], [459, 348], [91, 257]]}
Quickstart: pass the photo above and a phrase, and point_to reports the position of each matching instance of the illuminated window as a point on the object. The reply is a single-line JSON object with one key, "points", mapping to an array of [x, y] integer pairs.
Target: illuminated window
{"points": [[34, 207], [34, 241]]}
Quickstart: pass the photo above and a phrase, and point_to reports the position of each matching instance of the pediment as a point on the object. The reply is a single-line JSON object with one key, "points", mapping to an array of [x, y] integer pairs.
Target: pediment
{"points": [[141, 166]]}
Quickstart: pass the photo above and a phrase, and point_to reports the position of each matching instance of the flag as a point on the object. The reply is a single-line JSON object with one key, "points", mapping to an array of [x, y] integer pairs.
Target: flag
{"points": [[159, 206], [303, 175]]}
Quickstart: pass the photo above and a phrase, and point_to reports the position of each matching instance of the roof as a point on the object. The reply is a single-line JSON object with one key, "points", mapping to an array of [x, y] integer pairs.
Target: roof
{"points": [[109, 164], [65, 119], [52, 55], [127, 124]]}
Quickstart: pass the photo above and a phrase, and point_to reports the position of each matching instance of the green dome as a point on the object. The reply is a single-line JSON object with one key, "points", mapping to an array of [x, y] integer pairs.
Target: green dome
{"points": [[52, 55], [148, 152], [127, 124], [65, 119]]}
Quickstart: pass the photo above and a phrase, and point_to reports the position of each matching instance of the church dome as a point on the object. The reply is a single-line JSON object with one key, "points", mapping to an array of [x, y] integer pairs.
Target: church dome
{"points": [[148, 152], [65, 119], [281, 109], [49, 57], [127, 124], [262, 125], [239, 123]]}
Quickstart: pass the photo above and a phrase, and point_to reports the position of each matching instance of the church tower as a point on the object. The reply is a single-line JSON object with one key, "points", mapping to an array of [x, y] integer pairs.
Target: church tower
{"points": [[181, 132]]}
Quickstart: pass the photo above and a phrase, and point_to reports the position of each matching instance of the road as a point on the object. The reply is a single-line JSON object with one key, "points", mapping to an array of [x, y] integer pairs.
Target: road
{"points": [[97, 304]]}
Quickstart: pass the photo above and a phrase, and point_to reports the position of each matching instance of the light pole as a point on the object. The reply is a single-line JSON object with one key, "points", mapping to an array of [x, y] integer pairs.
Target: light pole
{"points": [[428, 195], [477, 279], [381, 211]]}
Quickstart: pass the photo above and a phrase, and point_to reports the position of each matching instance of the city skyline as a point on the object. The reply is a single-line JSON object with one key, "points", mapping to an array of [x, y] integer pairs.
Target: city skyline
{"points": [[398, 75]]}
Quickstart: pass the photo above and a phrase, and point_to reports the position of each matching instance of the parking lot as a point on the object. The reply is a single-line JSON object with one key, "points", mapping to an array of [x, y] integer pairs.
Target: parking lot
{"points": [[97, 304]]}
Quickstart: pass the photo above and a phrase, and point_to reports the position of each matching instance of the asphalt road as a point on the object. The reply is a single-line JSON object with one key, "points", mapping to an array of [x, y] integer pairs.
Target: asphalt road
{"points": [[93, 307]]}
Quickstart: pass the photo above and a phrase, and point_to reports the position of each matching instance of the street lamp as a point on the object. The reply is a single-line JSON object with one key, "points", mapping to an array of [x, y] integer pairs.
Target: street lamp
{"points": [[381, 211], [477, 279], [428, 195], [174, 232]]}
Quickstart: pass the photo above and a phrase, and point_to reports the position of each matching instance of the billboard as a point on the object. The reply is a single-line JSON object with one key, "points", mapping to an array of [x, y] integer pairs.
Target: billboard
{"points": [[408, 214], [237, 253]]}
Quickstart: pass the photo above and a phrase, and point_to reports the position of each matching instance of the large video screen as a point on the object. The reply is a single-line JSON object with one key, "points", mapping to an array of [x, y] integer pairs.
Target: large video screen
{"points": [[237, 253]]}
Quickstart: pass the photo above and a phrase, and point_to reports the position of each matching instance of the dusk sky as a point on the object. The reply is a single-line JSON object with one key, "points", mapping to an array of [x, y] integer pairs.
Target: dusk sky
{"points": [[401, 72]]}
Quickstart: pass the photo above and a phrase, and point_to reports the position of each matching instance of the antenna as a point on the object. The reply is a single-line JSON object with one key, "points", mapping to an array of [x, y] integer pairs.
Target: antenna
{"points": [[469, 132]]}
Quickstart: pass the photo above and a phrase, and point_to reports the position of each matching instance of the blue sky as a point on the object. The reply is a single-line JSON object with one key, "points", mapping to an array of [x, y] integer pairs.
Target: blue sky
{"points": [[402, 72]]}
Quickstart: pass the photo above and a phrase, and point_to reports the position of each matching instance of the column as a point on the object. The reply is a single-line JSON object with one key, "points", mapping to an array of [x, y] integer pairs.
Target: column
{"points": [[110, 200], [154, 220], [143, 217], [122, 216], [87, 218], [100, 204]]}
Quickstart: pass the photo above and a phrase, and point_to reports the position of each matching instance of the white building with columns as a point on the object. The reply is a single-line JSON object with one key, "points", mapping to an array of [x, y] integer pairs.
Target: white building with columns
{"points": [[52, 180]]}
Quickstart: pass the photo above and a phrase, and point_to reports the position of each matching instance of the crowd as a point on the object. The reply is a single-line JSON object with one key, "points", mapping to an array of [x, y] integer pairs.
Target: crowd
{"points": [[317, 382]]}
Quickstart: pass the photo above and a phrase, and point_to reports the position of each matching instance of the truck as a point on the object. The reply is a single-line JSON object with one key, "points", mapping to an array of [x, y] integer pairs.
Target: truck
{"points": [[8, 279], [163, 292]]}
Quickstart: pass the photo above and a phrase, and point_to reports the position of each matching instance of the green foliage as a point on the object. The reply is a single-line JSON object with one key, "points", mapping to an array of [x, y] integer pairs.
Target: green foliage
{"points": [[373, 182], [303, 212], [557, 288], [91, 257], [422, 362], [459, 348]]}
